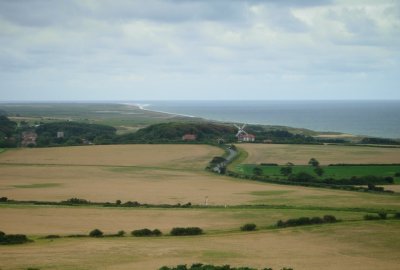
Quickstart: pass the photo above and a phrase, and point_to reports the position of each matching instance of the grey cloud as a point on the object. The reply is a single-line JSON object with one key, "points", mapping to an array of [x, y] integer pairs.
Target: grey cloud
{"points": [[38, 13]]}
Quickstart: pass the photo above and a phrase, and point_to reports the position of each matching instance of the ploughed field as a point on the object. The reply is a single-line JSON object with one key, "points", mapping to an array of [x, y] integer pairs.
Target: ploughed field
{"points": [[172, 174]]}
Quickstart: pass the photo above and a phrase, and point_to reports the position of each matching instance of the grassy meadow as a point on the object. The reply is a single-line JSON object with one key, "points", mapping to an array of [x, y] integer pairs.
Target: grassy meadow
{"points": [[336, 172], [171, 174]]}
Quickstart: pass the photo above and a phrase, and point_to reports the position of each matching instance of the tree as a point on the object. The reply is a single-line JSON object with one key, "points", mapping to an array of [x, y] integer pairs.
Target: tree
{"points": [[248, 227], [286, 171], [96, 233], [313, 162], [319, 171], [257, 171]]}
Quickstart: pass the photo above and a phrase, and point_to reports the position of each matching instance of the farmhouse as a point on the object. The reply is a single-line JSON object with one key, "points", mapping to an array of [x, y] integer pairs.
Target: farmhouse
{"points": [[28, 138], [189, 137], [246, 138]]}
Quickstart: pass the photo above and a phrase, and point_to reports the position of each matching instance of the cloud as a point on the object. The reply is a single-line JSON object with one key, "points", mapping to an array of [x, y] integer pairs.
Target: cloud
{"points": [[210, 46]]}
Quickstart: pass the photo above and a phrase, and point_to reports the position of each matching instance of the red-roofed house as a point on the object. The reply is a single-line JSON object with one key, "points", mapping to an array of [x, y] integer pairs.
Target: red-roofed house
{"points": [[189, 137], [246, 138]]}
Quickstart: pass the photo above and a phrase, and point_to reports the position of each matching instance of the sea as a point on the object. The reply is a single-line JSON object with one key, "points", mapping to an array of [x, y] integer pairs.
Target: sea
{"points": [[378, 118]]}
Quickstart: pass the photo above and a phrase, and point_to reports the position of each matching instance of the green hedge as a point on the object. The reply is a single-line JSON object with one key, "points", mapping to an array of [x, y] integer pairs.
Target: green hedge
{"points": [[186, 231]]}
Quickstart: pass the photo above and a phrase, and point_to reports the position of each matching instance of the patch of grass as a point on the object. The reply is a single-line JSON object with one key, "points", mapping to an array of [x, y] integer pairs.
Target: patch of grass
{"points": [[217, 254], [270, 192], [241, 156], [42, 185]]}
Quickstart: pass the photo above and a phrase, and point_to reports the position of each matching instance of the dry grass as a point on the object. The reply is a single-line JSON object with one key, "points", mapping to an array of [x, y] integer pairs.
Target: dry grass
{"points": [[367, 246], [41, 220], [156, 186], [178, 156], [174, 174], [325, 154]]}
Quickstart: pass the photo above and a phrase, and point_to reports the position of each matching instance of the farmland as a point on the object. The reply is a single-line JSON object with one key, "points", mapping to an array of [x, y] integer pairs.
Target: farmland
{"points": [[171, 174], [325, 154]]}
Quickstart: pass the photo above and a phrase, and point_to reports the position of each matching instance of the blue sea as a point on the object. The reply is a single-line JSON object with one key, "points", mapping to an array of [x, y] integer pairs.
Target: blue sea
{"points": [[370, 118]]}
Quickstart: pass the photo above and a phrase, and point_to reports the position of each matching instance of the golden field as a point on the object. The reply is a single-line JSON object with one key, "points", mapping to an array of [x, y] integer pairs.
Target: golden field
{"points": [[325, 154], [171, 174]]}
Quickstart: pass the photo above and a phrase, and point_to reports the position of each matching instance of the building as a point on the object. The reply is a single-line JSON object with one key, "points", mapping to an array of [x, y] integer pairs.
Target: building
{"points": [[29, 138], [189, 137], [246, 138]]}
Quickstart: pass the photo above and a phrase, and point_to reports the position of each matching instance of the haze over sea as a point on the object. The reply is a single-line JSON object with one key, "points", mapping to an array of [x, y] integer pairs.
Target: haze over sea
{"points": [[371, 118]]}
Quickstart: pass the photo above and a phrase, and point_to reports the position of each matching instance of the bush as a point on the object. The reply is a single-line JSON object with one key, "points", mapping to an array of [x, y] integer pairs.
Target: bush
{"points": [[186, 231], [76, 201], [96, 233], [157, 232], [200, 266], [397, 215], [397, 174], [371, 217], [306, 221], [329, 219], [12, 239], [146, 232], [51, 236], [248, 227], [3, 199], [141, 232], [382, 215], [301, 177], [120, 233]]}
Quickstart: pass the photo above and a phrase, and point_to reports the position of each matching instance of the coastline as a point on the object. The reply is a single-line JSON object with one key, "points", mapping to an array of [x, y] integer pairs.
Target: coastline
{"points": [[143, 108], [321, 134], [375, 119]]}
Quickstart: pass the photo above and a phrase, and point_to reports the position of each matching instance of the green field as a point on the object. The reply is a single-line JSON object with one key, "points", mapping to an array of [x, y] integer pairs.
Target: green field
{"points": [[335, 172]]}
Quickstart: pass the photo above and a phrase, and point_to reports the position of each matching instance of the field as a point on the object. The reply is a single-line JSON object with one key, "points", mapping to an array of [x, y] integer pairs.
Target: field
{"points": [[336, 172], [343, 246], [173, 174], [325, 154]]}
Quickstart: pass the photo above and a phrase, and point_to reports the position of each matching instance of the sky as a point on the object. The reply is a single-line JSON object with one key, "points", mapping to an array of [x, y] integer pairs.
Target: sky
{"points": [[199, 50]]}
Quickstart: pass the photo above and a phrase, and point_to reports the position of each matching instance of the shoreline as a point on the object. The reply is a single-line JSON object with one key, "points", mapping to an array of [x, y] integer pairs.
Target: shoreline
{"points": [[327, 134]]}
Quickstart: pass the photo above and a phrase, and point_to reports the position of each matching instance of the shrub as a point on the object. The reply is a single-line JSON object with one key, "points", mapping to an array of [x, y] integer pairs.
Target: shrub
{"points": [[3, 199], [397, 215], [329, 219], [200, 266], [11, 239], [397, 174], [76, 201], [306, 221], [301, 177], [131, 204], [316, 220], [313, 162], [96, 233], [141, 232], [120, 233], [382, 215], [371, 217], [248, 227], [157, 232], [51, 236], [146, 232], [177, 231]]}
